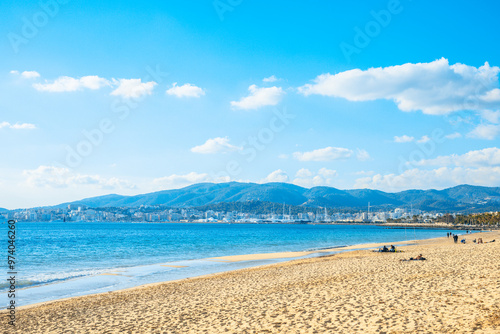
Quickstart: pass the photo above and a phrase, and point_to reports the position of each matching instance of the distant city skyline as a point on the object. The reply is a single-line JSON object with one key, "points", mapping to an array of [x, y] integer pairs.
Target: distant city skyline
{"points": [[127, 98]]}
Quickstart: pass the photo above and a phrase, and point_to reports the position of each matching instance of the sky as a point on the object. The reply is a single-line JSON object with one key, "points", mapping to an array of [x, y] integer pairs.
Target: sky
{"points": [[126, 97]]}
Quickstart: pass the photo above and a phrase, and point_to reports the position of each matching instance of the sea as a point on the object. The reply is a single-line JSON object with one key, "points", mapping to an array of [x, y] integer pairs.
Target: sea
{"points": [[62, 260]]}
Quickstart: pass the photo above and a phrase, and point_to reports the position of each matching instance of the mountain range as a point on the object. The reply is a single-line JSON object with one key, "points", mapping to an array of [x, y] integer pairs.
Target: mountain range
{"points": [[463, 198]]}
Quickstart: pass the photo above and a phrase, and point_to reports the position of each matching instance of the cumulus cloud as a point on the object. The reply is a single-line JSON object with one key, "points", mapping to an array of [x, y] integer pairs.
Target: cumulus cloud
{"points": [[259, 97], [127, 88], [488, 130], [27, 74], [276, 176], [479, 158], [424, 139], [69, 84], [303, 172], [434, 88], [485, 131], [272, 78], [17, 126], [30, 74], [215, 145], [186, 90], [362, 155], [176, 181], [305, 178], [491, 116], [403, 139], [324, 154], [60, 177], [440, 178], [409, 139], [133, 88]]}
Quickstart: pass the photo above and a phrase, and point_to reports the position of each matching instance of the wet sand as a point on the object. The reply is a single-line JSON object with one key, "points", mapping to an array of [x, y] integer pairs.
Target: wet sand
{"points": [[456, 290]]}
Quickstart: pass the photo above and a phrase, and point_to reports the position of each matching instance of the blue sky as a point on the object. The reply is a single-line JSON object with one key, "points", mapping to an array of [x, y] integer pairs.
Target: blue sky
{"points": [[122, 97]]}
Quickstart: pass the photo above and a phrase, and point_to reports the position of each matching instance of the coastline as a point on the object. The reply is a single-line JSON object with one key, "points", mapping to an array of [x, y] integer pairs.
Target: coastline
{"points": [[68, 310]]}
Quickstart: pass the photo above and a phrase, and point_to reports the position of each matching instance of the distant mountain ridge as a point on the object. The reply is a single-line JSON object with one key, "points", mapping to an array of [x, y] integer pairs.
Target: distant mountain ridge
{"points": [[459, 198]]}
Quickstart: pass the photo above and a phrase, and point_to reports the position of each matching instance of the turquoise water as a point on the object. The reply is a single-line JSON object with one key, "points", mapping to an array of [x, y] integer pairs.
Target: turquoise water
{"points": [[59, 260]]}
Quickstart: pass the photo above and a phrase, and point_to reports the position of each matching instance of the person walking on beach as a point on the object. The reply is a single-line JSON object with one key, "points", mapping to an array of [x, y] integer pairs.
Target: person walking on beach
{"points": [[455, 238]]}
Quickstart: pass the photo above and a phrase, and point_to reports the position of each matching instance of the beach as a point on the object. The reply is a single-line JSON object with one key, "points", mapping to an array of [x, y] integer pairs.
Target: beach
{"points": [[456, 290]]}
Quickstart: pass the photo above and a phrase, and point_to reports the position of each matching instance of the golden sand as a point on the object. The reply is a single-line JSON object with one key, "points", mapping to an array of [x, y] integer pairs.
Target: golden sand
{"points": [[456, 290]]}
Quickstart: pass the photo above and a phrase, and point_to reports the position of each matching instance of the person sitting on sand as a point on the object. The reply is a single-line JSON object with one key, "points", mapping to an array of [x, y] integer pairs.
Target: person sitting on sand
{"points": [[384, 249], [479, 240], [418, 258], [393, 249]]}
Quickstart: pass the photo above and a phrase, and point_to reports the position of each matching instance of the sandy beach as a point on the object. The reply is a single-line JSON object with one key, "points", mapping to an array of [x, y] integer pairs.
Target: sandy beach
{"points": [[456, 290]]}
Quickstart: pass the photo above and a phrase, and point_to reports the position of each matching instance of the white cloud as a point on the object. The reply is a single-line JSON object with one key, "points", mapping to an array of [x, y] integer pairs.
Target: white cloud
{"points": [[324, 154], [440, 178], [259, 97], [306, 178], [18, 126], [328, 173], [276, 176], [127, 88], [69, 84], [215, 145], [424, 139], [303, 172], [30, 74], [489, 130], [186, 90], [27, 74], [485, 131], [403, 139], [133, 88], [478, 158], [272, 78], [283, 156], [362, 155], [60, 177], [453, 135], [491, 116], [434, 88], [175, 181]]}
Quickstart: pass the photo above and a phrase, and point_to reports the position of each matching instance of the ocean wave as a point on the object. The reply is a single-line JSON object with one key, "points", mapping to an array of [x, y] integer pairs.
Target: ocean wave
{"points": [[4, 286], [48, 278]]}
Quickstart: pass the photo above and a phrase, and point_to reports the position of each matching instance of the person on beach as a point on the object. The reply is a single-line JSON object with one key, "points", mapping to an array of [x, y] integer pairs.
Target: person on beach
{"points": [[393, 249], [418, 258], [455, 238]]}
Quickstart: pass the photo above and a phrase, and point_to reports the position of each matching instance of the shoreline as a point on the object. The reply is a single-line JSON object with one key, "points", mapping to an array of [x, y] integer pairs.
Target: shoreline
{"points": [[287, 256], [278, 257], [310, 285]]}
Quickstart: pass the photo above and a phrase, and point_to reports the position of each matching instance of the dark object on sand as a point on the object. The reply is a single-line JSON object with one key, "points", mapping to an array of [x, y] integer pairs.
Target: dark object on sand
{"points": [[418, 258]]}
